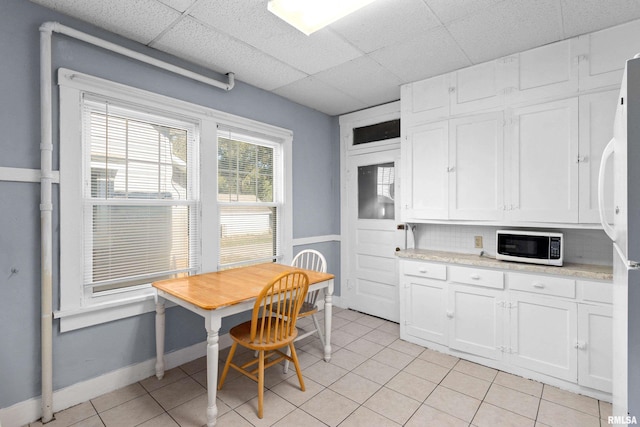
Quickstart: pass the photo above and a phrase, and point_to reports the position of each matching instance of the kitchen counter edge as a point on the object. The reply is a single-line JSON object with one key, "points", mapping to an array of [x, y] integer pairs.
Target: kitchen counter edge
{"points": [[583, 271]]}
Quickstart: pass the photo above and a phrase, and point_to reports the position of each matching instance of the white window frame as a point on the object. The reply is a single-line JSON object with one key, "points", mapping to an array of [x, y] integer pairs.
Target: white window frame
{"points": [[76, 311], [278, 187]]}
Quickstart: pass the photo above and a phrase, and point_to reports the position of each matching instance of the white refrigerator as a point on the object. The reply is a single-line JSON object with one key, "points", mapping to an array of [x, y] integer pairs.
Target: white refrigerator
{"points": [[623, 155]]}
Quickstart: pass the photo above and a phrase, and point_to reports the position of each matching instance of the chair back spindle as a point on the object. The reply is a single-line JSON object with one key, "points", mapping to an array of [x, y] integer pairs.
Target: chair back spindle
{"points": [[285, 295]]}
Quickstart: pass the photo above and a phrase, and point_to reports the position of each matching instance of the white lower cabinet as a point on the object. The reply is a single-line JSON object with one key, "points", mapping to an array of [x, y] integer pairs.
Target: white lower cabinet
{"points": [[475, 320], [543, 335], [595, 346], [540, 326], [423, 301], [425, 304]]}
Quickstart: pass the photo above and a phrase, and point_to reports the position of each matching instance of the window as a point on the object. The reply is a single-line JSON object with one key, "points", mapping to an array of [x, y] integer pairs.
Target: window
{"points": [[250, 198], [140, 197]]}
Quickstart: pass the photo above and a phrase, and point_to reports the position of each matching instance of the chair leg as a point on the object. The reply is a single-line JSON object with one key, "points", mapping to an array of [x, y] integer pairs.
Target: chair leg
{"points": [[286, 362], [317, 325], [294, 356], [227, 364], [260, 383]]}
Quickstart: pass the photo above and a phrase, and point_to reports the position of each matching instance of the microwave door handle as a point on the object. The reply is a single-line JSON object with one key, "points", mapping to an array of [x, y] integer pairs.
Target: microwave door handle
{"points": [[608, 152]]}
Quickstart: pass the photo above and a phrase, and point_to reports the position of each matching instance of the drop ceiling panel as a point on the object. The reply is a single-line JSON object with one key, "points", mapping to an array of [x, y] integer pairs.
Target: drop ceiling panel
{"points": [[431, 54], [584, 16], [179, 5], [363, 79], [508, 27], [450, 10], [250, 22], [195, 42], [358, 61], [320, 96], [141, 20], [384, 23]]}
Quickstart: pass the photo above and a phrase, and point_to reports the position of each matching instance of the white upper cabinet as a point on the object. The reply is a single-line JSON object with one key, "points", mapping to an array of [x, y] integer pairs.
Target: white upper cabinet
{"points": [[603, 54], [476, 156], [426, 100], [597, 112], [558, 104], [477, 88], [544, 171], [425, 171], [544, 72]]}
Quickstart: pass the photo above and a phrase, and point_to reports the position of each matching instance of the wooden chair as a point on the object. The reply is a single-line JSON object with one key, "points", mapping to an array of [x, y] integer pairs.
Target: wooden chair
{"points": [[266, 333], [309, 259]]}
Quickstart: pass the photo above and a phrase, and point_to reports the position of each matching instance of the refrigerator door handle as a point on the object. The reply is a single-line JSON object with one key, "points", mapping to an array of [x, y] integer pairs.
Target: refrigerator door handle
{"points": [[608, 152]]}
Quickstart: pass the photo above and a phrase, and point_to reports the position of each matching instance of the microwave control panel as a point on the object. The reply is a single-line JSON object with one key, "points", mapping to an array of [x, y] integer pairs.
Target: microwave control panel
{"points": [[554, 248]]}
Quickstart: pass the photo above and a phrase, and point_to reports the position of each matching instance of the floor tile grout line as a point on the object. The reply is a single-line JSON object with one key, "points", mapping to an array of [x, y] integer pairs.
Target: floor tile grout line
{"points": [[383, 347]]}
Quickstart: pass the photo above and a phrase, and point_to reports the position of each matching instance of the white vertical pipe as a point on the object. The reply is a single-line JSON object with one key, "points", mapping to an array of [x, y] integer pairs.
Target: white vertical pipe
{"points": [[46, 180], [46, 208]]}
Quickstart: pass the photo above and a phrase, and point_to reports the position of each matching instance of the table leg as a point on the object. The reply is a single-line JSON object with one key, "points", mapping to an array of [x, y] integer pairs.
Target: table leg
{"points": [[327, 321], [212, 323], [159, 338]]}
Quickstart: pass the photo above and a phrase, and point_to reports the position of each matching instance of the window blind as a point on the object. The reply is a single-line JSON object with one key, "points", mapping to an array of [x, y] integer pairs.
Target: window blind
{"points": [[249, 197], [140, 196]]}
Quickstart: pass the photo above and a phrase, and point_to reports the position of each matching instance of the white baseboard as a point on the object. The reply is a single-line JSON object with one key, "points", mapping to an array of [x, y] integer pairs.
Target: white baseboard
{"points": [[31, 410]]}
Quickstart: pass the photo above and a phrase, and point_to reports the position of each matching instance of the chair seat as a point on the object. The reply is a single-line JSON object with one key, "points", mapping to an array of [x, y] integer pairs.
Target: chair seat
{"points": [[307, 309], [242, 335]]}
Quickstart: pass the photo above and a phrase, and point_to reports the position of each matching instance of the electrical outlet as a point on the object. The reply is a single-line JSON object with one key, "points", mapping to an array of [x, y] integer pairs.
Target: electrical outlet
{"points": [[478, 242]]}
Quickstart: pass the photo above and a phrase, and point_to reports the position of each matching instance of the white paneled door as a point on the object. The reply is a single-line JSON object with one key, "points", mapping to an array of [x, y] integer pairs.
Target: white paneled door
{"points": [[373, 216]]}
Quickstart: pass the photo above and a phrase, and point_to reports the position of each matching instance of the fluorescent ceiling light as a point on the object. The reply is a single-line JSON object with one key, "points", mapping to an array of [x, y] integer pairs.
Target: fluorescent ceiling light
{"points": [[309, 16]]}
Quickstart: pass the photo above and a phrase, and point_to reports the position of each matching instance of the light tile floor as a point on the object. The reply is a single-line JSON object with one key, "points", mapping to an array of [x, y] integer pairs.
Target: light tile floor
{"points": [[373, 379]]}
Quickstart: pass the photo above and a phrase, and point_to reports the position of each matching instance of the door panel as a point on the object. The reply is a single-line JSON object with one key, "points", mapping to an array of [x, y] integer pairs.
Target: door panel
{"points": [[372, 282]]}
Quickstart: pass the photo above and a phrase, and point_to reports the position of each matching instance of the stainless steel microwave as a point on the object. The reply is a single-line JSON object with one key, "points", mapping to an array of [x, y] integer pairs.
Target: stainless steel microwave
{"points": [[535, 247]]}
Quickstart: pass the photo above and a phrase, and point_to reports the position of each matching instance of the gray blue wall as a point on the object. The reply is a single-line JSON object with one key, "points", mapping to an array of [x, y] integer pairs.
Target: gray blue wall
{"points": [[90, 352]]}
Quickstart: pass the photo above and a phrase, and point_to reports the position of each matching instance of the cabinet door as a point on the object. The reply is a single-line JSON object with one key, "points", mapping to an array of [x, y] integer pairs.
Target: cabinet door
{"points": [[595, 347], [425, 172], [597, 112], [425, 100], [544, 72], [477, 88], [424, 317], [476, 320], [543, 147], [543, 335], [476, 160], [604, 53]]}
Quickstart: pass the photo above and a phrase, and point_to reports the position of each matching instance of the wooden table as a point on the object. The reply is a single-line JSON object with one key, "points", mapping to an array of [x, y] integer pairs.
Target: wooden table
{"points": [[216, 295]]}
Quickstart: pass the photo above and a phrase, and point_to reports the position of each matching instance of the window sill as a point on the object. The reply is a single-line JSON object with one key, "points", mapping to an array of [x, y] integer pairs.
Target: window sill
{"points": [[106, 312]]}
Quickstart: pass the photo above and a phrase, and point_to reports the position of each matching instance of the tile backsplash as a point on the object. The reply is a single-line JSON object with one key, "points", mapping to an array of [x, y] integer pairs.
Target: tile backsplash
{"points": [[581, 246]]}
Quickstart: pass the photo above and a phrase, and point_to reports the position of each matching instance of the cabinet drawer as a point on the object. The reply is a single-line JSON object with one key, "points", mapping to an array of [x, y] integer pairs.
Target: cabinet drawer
{"points": [[596, 291], [542, 285], [425, 269], [477, 277]]}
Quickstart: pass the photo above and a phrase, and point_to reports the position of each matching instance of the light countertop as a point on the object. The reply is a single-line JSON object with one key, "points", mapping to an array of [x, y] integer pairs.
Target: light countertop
{"points": [[582, 271]]}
